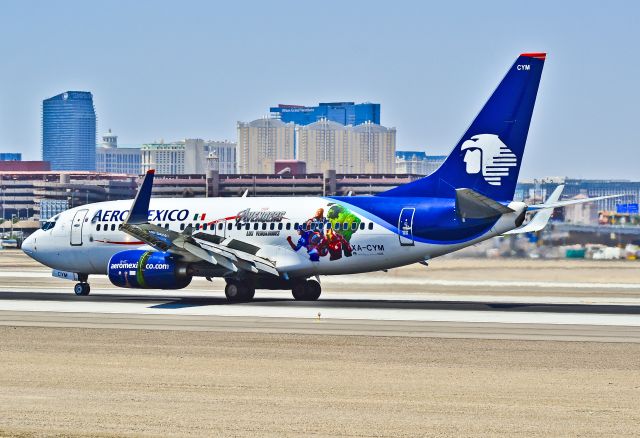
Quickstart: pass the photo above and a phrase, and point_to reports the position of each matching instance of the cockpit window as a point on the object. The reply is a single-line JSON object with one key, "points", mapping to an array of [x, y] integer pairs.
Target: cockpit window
{"points": [[50, 223]]}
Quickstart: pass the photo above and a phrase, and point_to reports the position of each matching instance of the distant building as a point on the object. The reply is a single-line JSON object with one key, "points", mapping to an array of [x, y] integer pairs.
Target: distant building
{"points": [[112, 159], [345, 113], [109, 140], [366, 148], [10, 156], [69, 131], [417, 163], [24, 166], [262, 142], [223, 154], [189, 156], [26, 194]]}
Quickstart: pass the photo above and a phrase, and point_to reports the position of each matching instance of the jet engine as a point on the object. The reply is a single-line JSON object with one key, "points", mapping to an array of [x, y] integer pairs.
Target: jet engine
{"points": [[139, 269]]}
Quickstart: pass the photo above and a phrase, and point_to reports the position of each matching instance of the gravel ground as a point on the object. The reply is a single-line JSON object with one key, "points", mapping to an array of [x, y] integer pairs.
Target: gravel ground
{"points": [[87, 382]]}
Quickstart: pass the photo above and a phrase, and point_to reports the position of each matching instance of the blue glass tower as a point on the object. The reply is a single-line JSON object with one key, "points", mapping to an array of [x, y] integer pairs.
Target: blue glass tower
{"points": [[345, 113], [69, 131]]}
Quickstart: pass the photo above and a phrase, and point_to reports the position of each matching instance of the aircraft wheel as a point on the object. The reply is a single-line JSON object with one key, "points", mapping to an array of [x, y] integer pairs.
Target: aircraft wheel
{"points": [[237, 292], [309, 290], [82, 289]]}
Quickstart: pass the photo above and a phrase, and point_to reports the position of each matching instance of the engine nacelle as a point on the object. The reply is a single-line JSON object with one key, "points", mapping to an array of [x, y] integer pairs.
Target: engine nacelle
{"points": [[147, 270]]}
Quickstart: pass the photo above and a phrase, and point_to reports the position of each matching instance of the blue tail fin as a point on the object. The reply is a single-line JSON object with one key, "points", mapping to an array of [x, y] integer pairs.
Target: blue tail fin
{"points": [[487, 158]]}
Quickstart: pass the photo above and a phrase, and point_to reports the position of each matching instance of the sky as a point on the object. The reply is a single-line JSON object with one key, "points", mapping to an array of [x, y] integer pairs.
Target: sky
{"points": [[172, 70]]}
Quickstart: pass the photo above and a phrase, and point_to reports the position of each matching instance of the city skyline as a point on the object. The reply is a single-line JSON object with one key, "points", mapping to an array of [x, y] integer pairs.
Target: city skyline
{"points": [[159, 70]]}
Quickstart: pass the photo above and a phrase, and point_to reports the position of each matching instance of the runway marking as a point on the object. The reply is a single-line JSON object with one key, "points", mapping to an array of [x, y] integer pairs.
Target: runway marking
{"points": [[396, 281], [218, 292], [310, 312]]}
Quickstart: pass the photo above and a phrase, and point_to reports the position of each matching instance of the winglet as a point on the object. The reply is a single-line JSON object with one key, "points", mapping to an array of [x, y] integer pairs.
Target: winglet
{"points": [[139, 213]]}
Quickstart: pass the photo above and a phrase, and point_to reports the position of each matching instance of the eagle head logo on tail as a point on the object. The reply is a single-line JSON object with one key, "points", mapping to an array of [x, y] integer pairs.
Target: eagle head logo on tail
{"points": [[486, 153]]}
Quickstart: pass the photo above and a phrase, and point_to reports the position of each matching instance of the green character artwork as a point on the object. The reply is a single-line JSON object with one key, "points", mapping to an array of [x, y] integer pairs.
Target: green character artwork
{"points": [[348, 222]]}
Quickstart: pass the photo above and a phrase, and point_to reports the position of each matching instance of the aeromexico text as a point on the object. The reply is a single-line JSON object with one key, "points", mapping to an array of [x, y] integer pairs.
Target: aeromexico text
{"points": [[246, 215]]}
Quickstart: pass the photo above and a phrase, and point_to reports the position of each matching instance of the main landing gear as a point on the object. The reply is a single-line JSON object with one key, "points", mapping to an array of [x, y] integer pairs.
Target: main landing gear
{"points": [[309, 290], [242, 291], [239, 291]]}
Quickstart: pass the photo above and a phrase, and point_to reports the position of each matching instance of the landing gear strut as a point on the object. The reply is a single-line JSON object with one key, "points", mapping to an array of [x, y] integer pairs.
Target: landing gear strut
{"points": [[309, 290], [83, 287], [239, 291]]}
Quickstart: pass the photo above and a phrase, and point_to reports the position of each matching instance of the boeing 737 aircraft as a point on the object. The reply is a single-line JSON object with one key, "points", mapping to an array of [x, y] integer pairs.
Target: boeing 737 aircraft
{"points": [[289, 242]]}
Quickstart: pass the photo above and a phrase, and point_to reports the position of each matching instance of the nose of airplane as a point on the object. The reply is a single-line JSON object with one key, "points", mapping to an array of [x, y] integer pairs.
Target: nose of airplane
{"points": [[29, 245]]}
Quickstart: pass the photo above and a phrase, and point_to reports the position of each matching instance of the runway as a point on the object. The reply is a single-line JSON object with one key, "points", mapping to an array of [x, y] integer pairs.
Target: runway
{"points": [[360, 313]]}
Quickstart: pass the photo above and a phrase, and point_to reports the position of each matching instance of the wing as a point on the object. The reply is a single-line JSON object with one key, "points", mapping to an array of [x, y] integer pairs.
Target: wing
{"points": [[232, 254]]}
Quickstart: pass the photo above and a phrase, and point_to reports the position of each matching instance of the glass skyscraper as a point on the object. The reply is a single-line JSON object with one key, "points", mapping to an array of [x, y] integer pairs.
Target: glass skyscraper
{"points": [[69, 131]]}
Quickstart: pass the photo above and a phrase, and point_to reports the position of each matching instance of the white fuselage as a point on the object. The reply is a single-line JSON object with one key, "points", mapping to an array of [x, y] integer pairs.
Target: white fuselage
{"points": [[83, 239]]}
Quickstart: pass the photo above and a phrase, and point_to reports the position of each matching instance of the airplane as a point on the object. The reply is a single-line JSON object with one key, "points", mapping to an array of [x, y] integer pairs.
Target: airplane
{"points": [[287, 243]]}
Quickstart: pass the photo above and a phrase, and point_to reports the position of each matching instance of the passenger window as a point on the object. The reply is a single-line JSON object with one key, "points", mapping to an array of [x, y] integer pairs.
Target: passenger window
{"points": [[255, 225], [288, 226], [238, 226], [354, 226], [220, 225], [328, 225], [247, 226], [113, 227], [264, 225], [371, 225], [280, 226], [229, 226], [338, 226], [272, 226], [296, 226], [166, 226], [197, 227], [345, 226], [204, 227], [181, 227], [362, 225], [98, 227]]}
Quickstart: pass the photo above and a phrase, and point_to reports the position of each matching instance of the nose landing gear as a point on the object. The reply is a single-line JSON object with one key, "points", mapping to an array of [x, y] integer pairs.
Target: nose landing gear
{"points": [[82, 288]]}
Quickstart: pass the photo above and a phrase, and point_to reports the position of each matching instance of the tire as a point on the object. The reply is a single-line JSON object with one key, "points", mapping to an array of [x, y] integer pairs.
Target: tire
{"points": [[238, 292], [82, 289], [313, 290], [309, 290], [298, 290]]}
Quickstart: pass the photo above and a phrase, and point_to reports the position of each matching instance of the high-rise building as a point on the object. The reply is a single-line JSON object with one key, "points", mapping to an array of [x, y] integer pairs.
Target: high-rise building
{"points": [[189, 156], [113, 159], [262, 142], [345, 113], [365, 148], [417, 163], [223, 154], [10, 156], [69, 131]]}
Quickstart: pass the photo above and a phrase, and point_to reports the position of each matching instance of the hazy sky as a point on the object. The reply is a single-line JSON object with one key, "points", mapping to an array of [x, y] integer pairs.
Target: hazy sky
{"points": [[192, 69]]}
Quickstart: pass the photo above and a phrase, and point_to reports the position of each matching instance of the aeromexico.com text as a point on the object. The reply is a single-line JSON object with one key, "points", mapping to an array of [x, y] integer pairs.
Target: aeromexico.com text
{"points": [[134, 265]]}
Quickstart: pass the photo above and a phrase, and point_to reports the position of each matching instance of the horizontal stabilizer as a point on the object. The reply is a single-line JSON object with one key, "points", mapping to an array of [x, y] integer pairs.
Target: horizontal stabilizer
{"points": [[472, 205], [541, 218], [570, 202]]}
